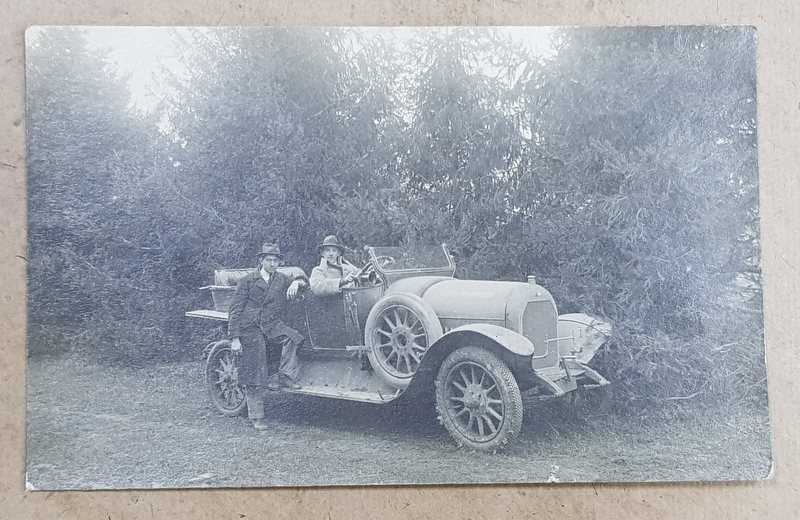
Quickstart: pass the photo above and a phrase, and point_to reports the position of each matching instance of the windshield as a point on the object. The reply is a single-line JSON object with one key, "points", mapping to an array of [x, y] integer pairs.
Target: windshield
{"points": [[391, 259]]}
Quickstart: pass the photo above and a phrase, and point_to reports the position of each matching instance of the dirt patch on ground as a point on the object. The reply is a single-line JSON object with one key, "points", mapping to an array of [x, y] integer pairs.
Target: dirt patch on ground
{"points": [[95, 427]]}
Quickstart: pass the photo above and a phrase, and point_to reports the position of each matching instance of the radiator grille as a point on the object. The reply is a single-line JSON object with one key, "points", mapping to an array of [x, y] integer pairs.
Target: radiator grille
{"points": [[539, 323]]}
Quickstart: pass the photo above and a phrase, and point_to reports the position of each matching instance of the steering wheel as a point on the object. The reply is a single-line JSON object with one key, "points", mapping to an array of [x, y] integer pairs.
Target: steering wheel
{"points": [[364, 274], [385, 261], [367, 275]]}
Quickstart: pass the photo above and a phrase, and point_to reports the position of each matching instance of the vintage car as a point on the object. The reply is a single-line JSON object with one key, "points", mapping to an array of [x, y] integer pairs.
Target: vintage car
{"points": [[410, 327]]}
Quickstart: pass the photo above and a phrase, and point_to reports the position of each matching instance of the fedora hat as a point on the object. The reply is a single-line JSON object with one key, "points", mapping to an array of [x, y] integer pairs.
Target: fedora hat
{"points": [[270, 249], [331, 241]]}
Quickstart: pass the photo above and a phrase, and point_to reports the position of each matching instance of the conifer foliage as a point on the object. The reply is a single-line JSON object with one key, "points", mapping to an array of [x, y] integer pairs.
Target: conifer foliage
{"points": [[621, 170]]}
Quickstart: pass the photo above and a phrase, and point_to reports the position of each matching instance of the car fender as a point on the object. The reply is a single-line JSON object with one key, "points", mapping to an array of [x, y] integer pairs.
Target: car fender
{"points": [[511, 347], [512, 341]]}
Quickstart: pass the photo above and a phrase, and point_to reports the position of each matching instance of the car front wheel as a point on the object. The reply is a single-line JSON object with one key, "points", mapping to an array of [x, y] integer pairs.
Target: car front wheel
{"points": [[478, 399]]}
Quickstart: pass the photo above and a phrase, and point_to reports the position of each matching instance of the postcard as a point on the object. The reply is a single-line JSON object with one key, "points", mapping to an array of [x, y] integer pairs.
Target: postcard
{"points": [[333, 256]]}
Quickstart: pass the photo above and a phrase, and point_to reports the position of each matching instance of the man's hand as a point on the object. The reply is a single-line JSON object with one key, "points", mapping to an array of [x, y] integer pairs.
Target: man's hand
{"points": [[347, 280], [294, 288], [236, 345]]}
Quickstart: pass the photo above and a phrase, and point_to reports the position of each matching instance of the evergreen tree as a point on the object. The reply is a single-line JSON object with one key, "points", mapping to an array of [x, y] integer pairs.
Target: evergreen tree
{"points": [[274, 134], [649, 213], [81, 141], [459, 176]]}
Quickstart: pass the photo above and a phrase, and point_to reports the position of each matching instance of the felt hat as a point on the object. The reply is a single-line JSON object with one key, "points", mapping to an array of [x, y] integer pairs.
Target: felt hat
{"points": [[331, 241], [270, 249]]}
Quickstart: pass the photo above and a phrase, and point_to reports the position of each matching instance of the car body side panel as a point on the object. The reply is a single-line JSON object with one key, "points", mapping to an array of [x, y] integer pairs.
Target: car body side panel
{"points": [[474, 300], [359, 301]]}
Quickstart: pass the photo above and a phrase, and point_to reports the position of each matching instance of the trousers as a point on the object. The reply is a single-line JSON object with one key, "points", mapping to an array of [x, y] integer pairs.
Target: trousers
{"points": [[254, 373]]}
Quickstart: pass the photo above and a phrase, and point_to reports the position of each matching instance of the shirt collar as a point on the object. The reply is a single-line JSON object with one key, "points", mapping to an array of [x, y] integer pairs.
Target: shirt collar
{"points": [[265, 275]]}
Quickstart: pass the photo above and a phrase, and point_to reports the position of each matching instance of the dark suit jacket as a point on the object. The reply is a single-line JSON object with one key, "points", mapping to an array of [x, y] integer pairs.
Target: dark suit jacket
{"points": [[258, 304]]}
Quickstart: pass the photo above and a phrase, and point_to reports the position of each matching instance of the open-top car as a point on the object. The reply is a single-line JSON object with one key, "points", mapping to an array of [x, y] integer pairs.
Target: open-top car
{"points": [[409, 326]]}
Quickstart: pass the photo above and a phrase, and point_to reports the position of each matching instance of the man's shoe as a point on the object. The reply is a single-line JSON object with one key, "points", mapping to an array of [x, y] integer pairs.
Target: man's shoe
{"points": [[285, 382], [260, 424]]}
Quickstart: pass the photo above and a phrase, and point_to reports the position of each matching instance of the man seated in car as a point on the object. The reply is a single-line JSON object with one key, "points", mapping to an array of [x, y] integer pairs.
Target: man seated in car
{"points": [[333, 272]]}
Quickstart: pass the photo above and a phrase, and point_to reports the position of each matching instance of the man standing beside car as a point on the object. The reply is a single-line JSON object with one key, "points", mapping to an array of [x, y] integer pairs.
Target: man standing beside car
{"points": [[333, 272], [255, 323]]}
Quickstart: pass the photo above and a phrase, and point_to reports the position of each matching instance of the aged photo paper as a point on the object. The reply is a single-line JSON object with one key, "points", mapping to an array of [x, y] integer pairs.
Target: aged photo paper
{"points": [[333, 256]]}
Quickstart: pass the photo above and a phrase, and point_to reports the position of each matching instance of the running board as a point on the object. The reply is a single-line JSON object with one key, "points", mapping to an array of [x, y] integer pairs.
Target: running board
{"points": [[360, 396], [331, 375]]}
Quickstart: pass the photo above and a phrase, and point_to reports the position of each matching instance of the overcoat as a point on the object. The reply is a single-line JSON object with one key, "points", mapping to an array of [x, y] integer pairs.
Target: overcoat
{"points": [[326, 276], [257, 303]]}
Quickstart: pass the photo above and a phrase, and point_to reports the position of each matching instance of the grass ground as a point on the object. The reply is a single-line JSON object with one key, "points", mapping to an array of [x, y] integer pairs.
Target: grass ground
{"points": [[93, 427]]}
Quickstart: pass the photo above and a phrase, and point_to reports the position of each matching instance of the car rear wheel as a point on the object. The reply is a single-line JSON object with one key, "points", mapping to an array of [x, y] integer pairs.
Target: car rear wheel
{"points": [[398, 332], [222, 380], [478, 399]]}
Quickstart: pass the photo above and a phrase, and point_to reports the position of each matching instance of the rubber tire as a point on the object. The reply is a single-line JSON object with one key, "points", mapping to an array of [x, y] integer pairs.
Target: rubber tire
{"points": [[217, 352], [507, 391], [427, 318]]}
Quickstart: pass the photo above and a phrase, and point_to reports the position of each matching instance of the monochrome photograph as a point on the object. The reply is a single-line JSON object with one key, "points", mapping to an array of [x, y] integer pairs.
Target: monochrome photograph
{"points": [[337, 256]]}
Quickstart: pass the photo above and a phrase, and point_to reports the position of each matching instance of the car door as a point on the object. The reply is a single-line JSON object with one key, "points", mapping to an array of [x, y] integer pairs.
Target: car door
{"points": [[326, 322], [337, 321]]}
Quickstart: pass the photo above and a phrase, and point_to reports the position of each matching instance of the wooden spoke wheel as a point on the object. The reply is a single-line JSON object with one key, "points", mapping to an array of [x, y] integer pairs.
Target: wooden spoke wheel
{"points": [[478, 399], [222, 379]]}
